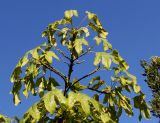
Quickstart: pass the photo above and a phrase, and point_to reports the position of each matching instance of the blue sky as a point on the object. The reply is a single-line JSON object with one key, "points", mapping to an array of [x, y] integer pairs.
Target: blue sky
{"points": [[133, 27]]}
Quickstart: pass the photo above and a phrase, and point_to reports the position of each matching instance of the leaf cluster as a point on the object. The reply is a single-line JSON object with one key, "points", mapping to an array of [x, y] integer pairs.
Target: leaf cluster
{"points": [[152, 78]]}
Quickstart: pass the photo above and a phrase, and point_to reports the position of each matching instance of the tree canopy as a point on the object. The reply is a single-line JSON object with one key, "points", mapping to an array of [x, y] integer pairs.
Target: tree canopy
{"points": [[66, 100], [152, 78]]}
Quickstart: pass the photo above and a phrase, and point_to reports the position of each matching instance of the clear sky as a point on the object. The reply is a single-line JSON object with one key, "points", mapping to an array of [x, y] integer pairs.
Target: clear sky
{"points": [[133, 26]]}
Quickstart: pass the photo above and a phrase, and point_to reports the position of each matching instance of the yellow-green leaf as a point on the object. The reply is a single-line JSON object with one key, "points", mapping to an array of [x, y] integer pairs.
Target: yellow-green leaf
{"points": [[44, 34], [49, 101], [34, 112], [90, 15], [106, 60], [69, 14], [97, 58], [136, 88], [85, 30], [78, 45], [16, 99]]}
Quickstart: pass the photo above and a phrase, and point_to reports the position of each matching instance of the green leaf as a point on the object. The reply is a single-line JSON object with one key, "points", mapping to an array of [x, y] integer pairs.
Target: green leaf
{"points": [[103, 34], [4, 119], [125, 103], [34, 53], [49, 101], [106, 60], [41, 85], [16, 74], [140, 116], [49, 55], [105, 57], [90, 15], [78, 45], [137, 88], [94, 79], [105, 118], [119, 113], [44, 34], [97, 58], [98, 85], [34, 112], [58, 93], [98, 40], [96, 104], [96, 97], [84, 103], [25, 93], [134, 79], [75, 13], [16, 99], [70, 13], [77, 86], [53, 81], [24, 60], [85, 30], [117, 59], [71, 99], [146, 113], [106, 44]]}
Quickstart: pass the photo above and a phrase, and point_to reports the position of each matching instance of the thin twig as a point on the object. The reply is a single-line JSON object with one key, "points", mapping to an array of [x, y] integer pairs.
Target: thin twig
{"points": [[64, 61], [102, 92], [55, 71], [85, 76], [79, 62], [63, 54], [85, 52], [82, 21]]}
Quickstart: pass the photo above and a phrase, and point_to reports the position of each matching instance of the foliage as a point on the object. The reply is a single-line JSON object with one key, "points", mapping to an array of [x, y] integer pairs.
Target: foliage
{"points": [[4, 119], [57, 102], [152, 74]]}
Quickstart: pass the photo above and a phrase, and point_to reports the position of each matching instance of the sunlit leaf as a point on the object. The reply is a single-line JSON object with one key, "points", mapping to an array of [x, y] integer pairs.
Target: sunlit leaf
{"points": [[137, 88], [34, 112], [97, 58], [49, 56], [106, 60], [78, 45], [94, 79], [16, 99], [49, 101], [69, 13]]}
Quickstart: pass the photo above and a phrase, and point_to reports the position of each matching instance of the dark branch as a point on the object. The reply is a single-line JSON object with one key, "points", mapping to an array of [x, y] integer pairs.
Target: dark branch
{"points": [[55, 71], [84, 53], [102, 92], [94, 71]]}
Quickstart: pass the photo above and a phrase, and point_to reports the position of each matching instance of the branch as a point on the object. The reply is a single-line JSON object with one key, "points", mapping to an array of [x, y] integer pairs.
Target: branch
{"points": [[84, 53], [94, 71], [63, 54], [55, 71], [79, 62], [102, 92], [64, 61], [82, 21]]}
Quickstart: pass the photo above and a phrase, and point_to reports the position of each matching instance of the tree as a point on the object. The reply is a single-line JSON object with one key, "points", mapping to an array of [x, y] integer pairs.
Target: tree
{"points": [[152, 75], [67, 100]]}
